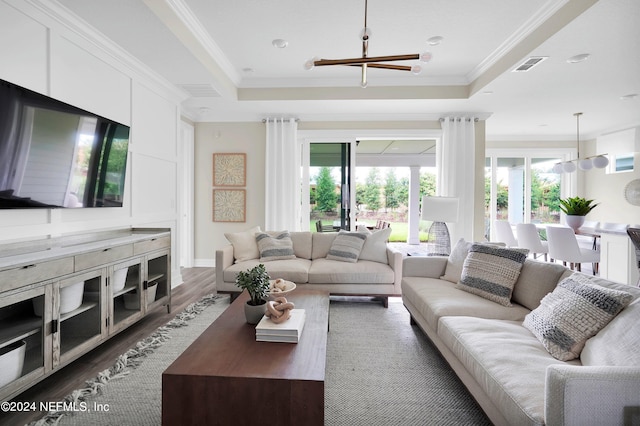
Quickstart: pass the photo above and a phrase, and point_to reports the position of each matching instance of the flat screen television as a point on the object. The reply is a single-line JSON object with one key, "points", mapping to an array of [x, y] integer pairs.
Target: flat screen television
{"points": [[54, 155]]}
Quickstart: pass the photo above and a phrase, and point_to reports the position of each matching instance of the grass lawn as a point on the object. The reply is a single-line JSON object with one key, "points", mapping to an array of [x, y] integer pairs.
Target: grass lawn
{"points": [[399, 231]]}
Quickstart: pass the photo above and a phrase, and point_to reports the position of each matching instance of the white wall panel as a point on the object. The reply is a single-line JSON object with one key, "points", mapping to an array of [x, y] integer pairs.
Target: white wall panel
{"points": [[83, 80], [44, 54], [154, 186], [23, 49], [154, 126]]}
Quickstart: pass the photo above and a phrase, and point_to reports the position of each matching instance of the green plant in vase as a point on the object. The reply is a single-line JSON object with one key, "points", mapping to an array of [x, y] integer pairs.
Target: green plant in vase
{"points": [[576, 208], [256, 282]]}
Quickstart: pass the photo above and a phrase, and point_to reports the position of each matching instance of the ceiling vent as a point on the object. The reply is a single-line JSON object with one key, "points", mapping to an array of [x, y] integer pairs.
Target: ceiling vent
{"points": [[529, 63], [201, 90]]}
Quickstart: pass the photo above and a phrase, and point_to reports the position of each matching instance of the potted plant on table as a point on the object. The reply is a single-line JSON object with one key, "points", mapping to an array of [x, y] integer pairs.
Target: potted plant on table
{"points": [[576, 208], [256, 282]]}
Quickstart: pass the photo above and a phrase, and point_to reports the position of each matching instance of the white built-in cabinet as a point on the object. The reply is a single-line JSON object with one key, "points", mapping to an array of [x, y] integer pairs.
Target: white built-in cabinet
{"points": [[36, 277], [618, 260]]}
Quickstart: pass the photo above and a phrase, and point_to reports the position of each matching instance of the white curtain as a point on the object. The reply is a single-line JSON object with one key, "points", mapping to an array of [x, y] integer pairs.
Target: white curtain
{"points": [[455, 164], [282, 176]]}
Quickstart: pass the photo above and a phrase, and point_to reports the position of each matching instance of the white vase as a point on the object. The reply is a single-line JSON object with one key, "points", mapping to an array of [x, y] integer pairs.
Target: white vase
{"points": [[574, 221]]}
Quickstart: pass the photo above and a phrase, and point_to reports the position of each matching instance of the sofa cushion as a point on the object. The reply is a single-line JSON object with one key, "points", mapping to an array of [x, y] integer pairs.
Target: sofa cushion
{"points": [[296, 270], [575, 311], [275, 246], [375, 246], [301, 244], [326, 271], [506, 361], [435, 298], [455, 262], [491, 272], [322, 243], [536, 280], [244, 244], [347, 246]]}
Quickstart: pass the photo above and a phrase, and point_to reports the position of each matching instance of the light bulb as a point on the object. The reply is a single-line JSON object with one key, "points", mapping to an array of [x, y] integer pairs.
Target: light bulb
{"points": [[426, 56], [600, 162], [585, 164], [364, 84], [416, 69], [557, 168], [310, 64], [569, 167]]}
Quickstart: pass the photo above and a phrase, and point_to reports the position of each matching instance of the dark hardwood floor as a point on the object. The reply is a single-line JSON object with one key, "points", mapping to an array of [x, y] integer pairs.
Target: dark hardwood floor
{"points": [[198, 282]]}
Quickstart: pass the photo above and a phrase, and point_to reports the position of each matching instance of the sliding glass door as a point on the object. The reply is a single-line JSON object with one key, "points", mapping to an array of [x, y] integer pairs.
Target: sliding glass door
{"points": [[327, 184], [522, 188]]}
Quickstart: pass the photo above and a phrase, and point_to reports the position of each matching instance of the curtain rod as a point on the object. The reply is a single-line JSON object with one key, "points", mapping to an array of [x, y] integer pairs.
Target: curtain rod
{"points": [[475, 120], [264, 120]]}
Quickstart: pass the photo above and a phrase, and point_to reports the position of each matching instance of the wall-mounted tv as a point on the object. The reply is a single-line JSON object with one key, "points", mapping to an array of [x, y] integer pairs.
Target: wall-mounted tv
{"points": [[54, 155]]}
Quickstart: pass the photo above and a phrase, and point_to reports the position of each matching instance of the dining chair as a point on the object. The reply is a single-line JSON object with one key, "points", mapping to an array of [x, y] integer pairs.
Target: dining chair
{"points": [[634, 234], [529, 238], [504, 233], [563, 246]]}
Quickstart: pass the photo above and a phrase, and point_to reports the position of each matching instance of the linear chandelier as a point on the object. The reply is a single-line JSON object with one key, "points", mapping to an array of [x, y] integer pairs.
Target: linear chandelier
{"points": [[598, 161], [374, 61]]}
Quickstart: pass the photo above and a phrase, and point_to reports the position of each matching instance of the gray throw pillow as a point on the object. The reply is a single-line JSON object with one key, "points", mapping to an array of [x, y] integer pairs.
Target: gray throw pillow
{"points": [[275, 247], [347, 246], [573, 313], [491, 272]]}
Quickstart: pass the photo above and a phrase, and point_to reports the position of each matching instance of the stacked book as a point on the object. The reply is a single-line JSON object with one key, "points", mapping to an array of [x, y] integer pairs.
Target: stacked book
{"points": [[288, 331]]}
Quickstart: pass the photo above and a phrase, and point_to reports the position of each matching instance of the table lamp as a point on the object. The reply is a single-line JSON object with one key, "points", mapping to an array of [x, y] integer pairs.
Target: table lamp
{"points": [[439, 210]]}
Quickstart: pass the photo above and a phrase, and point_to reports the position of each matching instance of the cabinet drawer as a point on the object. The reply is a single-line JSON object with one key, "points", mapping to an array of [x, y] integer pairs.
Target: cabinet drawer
{"points": [[101, 257], [151, 245], [30, 274]]}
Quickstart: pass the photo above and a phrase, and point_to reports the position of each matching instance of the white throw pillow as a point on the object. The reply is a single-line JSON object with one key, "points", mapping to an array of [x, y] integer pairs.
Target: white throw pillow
{"points": [[244, 244], [456, 261], [375, 246]]}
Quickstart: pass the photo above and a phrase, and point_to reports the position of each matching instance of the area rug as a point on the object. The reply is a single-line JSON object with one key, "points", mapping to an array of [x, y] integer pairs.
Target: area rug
{"points": [[380, 370]]}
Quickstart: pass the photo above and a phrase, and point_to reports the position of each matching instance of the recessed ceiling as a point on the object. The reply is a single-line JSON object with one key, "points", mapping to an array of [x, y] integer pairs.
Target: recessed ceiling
{"points": [[211, 43]]}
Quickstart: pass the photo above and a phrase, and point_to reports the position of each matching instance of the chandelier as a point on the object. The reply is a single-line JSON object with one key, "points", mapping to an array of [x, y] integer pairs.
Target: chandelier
{"points": [[587, 163], [372, 61]]}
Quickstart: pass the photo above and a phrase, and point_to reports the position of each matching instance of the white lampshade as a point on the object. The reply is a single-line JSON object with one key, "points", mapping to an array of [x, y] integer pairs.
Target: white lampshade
{"points": [[440, 209], [569, 167], [416, 69], [600, 162]]}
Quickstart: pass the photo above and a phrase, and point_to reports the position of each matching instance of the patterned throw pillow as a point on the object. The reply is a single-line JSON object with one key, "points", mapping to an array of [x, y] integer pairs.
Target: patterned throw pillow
{"points": [[572, 313], [346, 246], [491, 272], [275, 247]]}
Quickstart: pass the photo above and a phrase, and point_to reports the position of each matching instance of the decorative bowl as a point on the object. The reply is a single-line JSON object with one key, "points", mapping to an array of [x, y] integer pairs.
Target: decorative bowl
{"points": [[119, 279], [70, 298], [11, 361], [280, 288]]}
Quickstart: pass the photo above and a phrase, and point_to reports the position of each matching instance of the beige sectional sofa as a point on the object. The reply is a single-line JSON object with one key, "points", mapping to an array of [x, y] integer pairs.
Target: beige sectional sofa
{"points": [[377, 271], [508, 370]]}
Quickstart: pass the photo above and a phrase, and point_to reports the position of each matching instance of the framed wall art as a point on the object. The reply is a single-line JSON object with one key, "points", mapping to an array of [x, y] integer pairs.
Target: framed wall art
{"points": [[229, 169], [229, 205]]}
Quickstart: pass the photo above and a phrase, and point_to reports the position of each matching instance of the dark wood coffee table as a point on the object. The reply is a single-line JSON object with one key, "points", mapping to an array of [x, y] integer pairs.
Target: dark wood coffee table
{"points": [[226, 377]]}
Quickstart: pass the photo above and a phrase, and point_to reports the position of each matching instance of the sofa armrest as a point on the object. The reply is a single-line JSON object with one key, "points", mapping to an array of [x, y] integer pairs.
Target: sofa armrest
{"points": [[224, 259], [394, 258], [579, 395], [429, 266]]}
